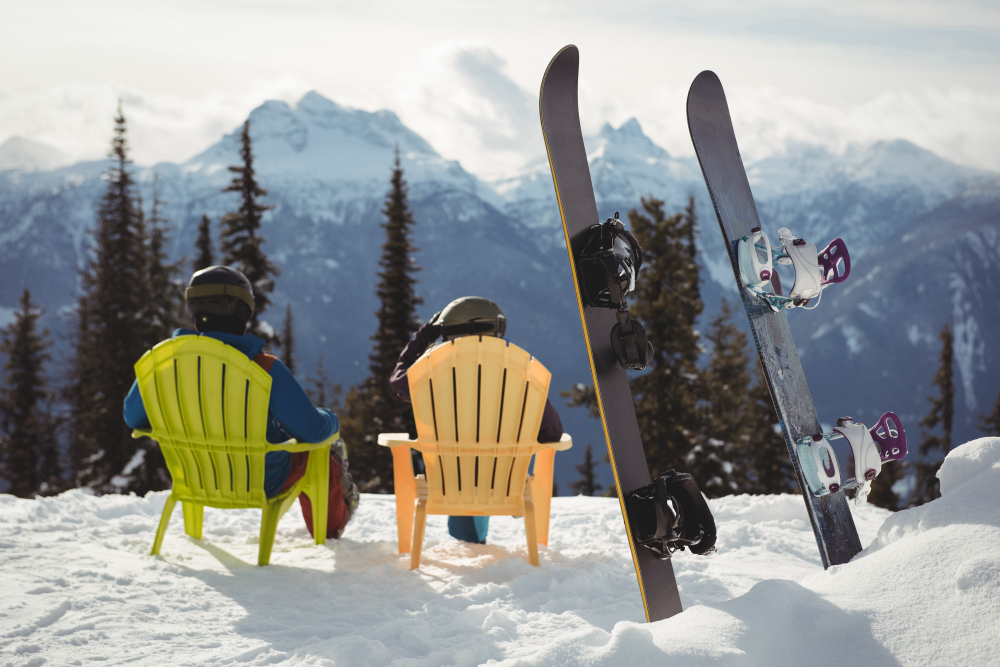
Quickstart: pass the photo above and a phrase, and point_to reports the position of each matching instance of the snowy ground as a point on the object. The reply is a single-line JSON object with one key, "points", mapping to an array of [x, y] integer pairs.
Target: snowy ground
{"points": [[79, 588]]}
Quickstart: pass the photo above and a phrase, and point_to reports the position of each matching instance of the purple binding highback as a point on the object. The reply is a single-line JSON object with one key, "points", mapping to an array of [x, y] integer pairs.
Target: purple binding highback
{"points": [[828, 259], [890, 437]]}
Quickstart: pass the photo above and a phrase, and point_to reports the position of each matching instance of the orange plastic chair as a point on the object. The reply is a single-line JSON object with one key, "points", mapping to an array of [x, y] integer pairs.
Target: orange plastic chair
{"points": [[207, 404], [478, 404]]}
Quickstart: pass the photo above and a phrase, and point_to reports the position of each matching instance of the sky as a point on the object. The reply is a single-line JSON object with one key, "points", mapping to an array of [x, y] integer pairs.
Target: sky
{"points": [[465, 74]]}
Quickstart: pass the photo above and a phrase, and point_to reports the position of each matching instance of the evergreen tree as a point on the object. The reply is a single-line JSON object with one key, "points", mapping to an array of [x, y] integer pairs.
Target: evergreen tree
{"points": [[111, 330], [288, 340], [587, 484], [29, 452], [322, 391], [372, 408], [241, 239], [166, 294], [667, 301], [882, 493], [764, 465], [205, 256], [990, 423], [941, 415], [726, 387]]}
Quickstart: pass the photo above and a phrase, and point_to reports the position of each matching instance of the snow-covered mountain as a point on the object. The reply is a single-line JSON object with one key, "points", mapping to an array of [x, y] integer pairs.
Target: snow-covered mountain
{"points": [[327, 167], [27, 155]]}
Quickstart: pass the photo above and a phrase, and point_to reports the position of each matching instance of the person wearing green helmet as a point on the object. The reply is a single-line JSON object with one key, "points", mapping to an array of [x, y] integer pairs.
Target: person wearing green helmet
{"points": [[220, 300], [467, 316]]}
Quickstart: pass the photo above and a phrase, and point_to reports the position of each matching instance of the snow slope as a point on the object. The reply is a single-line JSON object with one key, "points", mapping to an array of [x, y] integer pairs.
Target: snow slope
{"points": [[79, 588]]}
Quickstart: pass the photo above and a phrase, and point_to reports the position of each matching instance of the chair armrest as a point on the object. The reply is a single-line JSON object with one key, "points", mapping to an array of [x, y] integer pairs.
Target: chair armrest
{"points": [[395, 440], [564, 443], [141, 433], [296, 446]]}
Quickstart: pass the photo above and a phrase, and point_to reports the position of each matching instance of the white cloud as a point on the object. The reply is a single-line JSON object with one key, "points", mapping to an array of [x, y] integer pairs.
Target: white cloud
{"points": [[78, 118]]}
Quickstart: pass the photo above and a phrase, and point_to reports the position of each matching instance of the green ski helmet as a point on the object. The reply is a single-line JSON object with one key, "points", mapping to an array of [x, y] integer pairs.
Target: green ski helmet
{"points": [[471, 315], [220, 298]]}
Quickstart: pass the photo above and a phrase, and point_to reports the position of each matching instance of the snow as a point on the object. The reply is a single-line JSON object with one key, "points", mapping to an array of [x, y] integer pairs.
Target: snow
{"points": [[80, 587]]}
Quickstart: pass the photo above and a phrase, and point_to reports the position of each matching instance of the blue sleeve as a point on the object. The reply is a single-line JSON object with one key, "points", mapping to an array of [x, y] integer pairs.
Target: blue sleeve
{"points": [[134, 411], [293, 409]]}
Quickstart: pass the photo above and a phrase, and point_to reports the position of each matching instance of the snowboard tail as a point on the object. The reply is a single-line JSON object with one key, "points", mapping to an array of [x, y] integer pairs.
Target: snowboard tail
{"points": [[559, 111], [715, 144]]}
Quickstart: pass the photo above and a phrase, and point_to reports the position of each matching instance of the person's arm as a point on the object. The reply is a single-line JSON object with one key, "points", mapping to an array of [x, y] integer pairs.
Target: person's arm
{"points": [[425, 335], [133, 410], [297, 415], [552, 428]]}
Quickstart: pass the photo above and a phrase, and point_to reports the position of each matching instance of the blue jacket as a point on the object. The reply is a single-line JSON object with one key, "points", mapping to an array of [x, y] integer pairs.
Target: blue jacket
{"points": [[290, 412]]}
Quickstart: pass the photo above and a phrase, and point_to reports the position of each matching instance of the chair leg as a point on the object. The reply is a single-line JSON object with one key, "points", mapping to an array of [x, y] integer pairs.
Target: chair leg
{"points": [[194, 516], [529, 528], [268, 527], [419, 524], [168, 509], [541, 492], [406, 494], [318, 490]]}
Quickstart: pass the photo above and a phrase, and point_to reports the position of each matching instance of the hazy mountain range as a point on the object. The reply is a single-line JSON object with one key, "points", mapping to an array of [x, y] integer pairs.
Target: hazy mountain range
{"points": [[924, 234]]}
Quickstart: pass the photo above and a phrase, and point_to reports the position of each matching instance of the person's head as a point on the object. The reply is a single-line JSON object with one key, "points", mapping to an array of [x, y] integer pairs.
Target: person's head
{"points": [[471, 315], [220, 298]]}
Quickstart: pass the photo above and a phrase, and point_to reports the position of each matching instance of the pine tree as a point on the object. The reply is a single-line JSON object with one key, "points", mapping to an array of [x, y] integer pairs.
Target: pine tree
{"points": [[941, 415], [990, 423], [288, 340], [764, 464], [667, 301], [322, 391], [29, 452], [241, 239], [372, 408], [205, 256], [587, 484], [111, 330], [726, 385], [166, 295], [882, 493]]}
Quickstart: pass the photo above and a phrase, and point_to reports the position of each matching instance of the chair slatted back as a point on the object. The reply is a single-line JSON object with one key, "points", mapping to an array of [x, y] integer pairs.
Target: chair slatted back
{"points": [[207, 403], [478, 403]]}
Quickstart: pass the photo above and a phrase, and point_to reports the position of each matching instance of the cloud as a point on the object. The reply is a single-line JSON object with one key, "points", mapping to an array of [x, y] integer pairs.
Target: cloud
{"points": [[78, 118], [460, 98]]}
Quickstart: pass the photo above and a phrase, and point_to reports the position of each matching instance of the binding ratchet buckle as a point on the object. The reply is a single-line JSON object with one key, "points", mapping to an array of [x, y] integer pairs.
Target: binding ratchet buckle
{"points": [[870, 448], [814, 271], [607, 265], [670, 515]]}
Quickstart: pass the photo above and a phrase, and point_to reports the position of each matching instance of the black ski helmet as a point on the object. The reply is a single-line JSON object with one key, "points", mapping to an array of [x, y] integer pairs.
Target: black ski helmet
{"points": [[220, 298], [471, 315]]}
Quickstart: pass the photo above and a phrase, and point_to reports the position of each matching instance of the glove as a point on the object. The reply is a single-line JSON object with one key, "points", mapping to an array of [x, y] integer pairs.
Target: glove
{"points": [[428, 333]]}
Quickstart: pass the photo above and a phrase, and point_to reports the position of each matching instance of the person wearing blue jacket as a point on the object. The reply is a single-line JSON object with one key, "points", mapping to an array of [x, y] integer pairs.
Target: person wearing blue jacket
{"points": [[220, 300]]}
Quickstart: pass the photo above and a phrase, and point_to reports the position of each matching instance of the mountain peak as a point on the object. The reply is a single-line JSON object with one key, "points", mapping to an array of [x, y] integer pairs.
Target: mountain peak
{"points": [[629, 139], [27, 155]]}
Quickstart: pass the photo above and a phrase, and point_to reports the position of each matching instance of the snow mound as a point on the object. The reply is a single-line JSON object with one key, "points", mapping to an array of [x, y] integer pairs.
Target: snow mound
{"points": [[79, 586]]}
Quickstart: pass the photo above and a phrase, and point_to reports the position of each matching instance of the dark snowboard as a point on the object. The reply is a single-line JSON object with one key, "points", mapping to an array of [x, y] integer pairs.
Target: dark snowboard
{"points": [[715, 143], [575, 192]]}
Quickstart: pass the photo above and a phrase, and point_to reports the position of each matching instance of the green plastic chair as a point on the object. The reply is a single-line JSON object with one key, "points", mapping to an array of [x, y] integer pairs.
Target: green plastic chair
{"points": [[207, 403]]}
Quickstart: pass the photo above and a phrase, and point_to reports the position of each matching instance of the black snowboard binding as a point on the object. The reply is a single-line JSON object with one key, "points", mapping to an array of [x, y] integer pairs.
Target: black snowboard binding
{"points": [[607, 266], [671, 514]]}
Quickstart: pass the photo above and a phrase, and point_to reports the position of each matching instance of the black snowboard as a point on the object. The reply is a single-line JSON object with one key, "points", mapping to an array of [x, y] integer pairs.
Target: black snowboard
{"points": [[715, 143], [575, 192]]}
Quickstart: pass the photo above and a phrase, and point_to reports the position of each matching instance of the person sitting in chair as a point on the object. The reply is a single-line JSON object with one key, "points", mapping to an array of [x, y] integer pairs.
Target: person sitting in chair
{"points": [[220, 300], [467, 316]]}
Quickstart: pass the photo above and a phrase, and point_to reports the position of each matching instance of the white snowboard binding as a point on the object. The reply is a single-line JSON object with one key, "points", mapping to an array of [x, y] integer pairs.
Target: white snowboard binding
{"points": [[870, 448], [814, 271]]}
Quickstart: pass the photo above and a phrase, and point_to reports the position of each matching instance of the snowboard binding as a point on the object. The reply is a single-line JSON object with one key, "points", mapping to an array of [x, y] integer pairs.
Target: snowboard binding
{"points": [[870, 448], [814, 271], [670, 515], [607, 266]]}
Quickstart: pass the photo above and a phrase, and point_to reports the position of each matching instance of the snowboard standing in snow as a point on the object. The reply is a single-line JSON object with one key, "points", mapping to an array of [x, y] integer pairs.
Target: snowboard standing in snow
{"points": [[715, 143], [669, 513]]}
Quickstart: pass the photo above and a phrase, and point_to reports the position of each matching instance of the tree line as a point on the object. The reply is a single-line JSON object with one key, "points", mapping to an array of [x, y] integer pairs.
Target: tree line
{"points": [[713, 418]]}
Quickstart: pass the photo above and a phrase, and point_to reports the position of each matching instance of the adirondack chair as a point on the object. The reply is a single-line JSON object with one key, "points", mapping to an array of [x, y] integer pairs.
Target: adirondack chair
{"points": [[207, 404], [478, 404]]}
